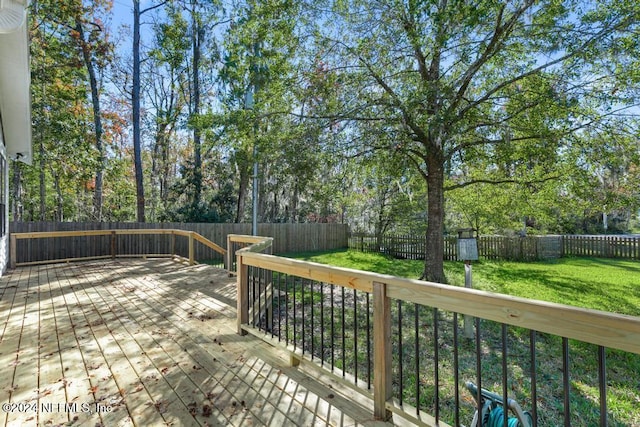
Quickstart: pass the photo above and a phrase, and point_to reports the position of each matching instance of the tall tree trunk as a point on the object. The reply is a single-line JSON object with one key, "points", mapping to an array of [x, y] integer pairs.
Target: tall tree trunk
{"points": [[434, 262], [294, 203], [197, 38], [59, 214], [97, 119], [135, 101], [43, 186]]}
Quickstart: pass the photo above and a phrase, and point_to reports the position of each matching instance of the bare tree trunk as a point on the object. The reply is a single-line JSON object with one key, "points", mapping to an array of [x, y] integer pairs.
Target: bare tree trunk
{"points": [[294, 203], [59, 214], [197, 38], [43, 186], [135, 101], [97, 119]]}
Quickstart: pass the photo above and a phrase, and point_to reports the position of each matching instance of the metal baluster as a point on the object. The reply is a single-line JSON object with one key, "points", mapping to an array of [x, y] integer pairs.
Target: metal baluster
{"points": [[369, 358], [456, 368], [253, 297], [534, 377], [333, 354], [400, 349], [269, 275], [260, 282], [311, 283], [565, 382], [602, 380], [286, 313], [279, 308], [504, 376], [344, 368], [355, 335], [436, 357], [478, 366], [302, 308], [321, 323], [295, 341], [416, 318]]}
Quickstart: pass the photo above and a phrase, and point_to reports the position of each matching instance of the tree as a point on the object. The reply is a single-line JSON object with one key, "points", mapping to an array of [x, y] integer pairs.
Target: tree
{"points": [[258, 48], [166, 73], [95, 49], [62, 118], [452, 80], [608, 162]]}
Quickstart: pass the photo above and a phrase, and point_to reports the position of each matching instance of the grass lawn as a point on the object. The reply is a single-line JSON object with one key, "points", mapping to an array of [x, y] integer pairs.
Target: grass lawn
{"points": [[601, 284]]}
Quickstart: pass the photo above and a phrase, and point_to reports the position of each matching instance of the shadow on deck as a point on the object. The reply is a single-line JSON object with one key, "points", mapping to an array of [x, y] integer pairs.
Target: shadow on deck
{"points": [[147, 342]]}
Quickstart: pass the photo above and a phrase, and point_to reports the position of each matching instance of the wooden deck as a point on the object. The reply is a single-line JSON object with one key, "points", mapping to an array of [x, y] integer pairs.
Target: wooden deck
{"points": [[146, 342]]}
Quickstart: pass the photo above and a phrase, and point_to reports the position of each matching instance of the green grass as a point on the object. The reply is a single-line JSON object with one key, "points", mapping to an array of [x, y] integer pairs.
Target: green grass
{"points": [[601, 284]]}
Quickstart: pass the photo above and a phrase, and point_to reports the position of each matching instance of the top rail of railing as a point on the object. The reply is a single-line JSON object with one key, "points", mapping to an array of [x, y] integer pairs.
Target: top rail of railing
{"points": [[607, 329], [245, 243]]}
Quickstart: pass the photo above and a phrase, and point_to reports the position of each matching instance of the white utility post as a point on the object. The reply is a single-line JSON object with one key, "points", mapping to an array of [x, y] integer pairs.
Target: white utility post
{"points": [[467, 252]]}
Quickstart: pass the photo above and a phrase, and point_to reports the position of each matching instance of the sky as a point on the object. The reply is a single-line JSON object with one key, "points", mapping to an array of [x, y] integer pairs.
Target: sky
{"points": [[122, 15], [122, 12]]}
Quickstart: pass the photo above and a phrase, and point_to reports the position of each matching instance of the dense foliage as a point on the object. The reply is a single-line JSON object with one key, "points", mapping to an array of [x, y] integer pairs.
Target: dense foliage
{"points": [[417, 116]]}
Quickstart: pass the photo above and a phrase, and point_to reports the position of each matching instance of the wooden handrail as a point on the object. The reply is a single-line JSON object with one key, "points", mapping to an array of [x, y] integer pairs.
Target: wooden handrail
{"points": [[610, 330], [191, 235], [593, 326]]}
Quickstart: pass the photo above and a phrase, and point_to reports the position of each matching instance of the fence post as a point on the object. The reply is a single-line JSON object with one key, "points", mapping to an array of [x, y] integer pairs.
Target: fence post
{"points": [[191, 254], [242, 285], [382, 355], [113, 244], [12, 251]]}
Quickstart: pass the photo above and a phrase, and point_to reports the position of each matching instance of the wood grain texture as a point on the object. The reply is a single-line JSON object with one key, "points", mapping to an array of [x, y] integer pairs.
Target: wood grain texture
{"points": [[155, 341]]}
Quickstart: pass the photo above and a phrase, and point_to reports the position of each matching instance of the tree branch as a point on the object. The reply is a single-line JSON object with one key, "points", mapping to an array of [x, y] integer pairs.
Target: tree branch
{"points": [[150, 8], [499, 181], [490, 51], [536, 70]]}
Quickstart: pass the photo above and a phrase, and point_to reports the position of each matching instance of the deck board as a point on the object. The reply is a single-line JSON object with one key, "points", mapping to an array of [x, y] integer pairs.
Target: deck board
{"points": [[149, 342]]}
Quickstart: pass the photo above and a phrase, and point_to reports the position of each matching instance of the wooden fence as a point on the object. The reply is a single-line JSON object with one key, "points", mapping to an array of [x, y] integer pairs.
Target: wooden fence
{"points": [[602, 246], [288, 238], [527, 248]]}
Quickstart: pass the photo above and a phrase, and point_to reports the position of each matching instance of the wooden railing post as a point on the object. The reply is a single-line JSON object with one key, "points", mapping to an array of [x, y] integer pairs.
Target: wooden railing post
{"points": [[113, 244], [242, 284], [382, 355], [230, 254], [191, 253], [173, 244], [12, 251]]}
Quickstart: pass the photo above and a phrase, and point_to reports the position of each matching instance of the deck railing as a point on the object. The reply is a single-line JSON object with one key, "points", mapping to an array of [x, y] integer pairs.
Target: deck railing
{"points": [[401, 342], [101, 244]]}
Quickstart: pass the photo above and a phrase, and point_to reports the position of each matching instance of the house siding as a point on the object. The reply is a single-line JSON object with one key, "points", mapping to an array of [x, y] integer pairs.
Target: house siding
{"points": [[4, 180]]}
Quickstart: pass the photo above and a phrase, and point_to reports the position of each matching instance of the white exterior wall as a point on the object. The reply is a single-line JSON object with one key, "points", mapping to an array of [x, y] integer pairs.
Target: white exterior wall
{"points": [[4, 240]]}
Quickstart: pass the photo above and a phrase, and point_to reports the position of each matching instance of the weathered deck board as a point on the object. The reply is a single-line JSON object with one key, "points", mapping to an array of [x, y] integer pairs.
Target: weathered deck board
{"points": [[100, 383], [150, 342]]}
